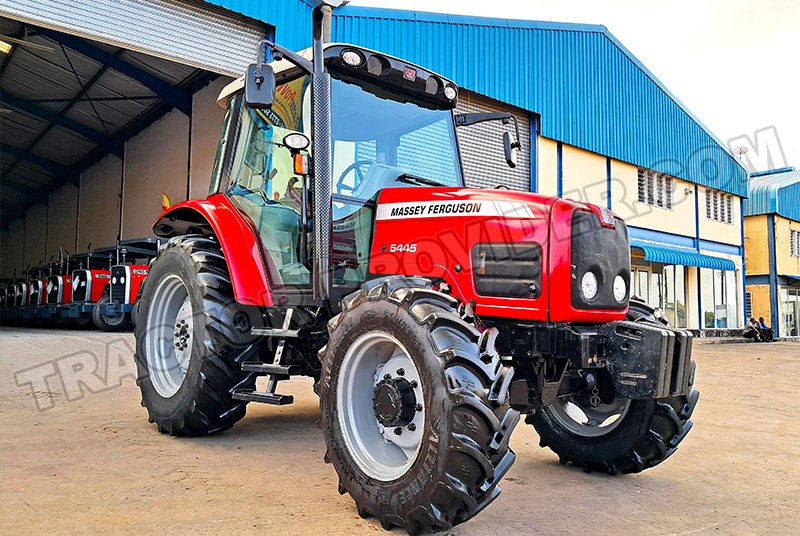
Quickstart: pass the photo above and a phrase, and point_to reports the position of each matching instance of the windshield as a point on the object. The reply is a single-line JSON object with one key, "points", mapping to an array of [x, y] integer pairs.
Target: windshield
{"points": [[377, 140], [377, 143]]}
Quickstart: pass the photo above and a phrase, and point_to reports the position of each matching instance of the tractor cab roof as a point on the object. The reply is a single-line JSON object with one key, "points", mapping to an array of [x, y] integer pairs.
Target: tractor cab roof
{"points": [[369, 66]]}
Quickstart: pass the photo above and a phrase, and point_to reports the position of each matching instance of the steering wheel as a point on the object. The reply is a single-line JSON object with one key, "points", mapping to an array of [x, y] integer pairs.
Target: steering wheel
{"points": [[355, 166]]}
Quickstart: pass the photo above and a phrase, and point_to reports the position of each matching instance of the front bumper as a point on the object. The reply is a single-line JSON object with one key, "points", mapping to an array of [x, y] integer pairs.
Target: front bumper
{"points": [[75, 310], [114, 308], [47, 312], [644, 360]]}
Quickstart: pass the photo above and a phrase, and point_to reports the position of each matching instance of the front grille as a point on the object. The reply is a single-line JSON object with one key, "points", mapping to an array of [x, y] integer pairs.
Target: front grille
{"points": [[81, 284], [36, 293], [53, 283], [119, 283], [508, 270], [603, 251]]}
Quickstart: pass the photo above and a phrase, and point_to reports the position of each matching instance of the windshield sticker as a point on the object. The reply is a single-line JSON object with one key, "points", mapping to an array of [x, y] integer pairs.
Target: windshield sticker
{"points": [[445, 209]]}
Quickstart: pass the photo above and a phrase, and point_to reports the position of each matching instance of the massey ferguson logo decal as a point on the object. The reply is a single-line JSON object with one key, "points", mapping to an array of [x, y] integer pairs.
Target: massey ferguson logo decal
{"points": [[102, 276], [439, 209], [139, 271]]}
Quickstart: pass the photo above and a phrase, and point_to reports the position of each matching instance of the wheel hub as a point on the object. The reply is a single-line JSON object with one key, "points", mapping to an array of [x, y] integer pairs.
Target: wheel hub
{"points": [[181, 335], [394, 401]]}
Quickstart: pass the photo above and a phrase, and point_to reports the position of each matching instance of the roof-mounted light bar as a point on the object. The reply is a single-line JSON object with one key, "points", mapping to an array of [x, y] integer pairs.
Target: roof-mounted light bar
{"points": [[384, 70]]}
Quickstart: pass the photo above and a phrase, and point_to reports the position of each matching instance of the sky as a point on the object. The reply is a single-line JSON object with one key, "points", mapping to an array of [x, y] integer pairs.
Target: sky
{"points": [[734, 63]]}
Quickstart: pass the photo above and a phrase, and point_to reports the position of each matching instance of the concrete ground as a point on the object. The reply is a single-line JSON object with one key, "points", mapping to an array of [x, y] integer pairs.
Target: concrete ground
{"points": [[77, 456]]}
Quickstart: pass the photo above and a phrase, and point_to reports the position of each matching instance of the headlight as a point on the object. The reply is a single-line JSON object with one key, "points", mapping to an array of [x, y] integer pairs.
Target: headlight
{"points": [[589, 286], [352, 58], [450, 92], [620, 289]]}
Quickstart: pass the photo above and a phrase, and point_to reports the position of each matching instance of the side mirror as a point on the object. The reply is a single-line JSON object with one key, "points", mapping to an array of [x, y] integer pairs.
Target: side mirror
{"points": [[510, 148], [259, 86]]}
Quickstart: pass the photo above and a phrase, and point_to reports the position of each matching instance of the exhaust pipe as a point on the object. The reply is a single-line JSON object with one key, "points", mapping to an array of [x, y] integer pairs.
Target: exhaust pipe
{"points": [[323, 157]]}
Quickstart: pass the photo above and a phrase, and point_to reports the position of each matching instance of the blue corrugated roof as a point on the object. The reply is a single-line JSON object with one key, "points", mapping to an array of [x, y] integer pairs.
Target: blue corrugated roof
{"points": [[774, 193], [680, 256], [590, 91]]}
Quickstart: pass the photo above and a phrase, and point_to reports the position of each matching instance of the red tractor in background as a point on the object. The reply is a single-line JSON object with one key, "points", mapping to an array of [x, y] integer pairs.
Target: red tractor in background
{"points": [[88, 286], [116, 308], [430, 315], [59, 287]]}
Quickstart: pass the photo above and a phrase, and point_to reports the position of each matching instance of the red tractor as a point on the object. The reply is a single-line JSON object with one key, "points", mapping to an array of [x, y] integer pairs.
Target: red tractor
{"points": [[115, 309], [59, 286], [88, 286], [429, 314]]}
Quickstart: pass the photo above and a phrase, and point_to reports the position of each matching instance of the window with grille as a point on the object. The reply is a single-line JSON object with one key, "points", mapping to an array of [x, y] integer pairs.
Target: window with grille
{"points": [[655, 189], [748, 304], [795, 237], [719, 206]]}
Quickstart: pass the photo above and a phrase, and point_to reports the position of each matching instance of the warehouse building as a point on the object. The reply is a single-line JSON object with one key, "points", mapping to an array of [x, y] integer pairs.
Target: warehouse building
{"points": [[117, 106], [772, 249]]}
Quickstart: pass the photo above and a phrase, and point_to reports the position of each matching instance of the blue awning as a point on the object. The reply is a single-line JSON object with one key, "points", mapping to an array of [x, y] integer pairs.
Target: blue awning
{"points": [[685, 257]]}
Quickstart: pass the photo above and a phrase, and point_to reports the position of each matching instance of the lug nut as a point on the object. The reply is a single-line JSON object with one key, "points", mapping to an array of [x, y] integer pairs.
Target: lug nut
{"points": [[401, 372], [398, 431], [418, 407], [412, 427], [387, 376], [413, 384]]}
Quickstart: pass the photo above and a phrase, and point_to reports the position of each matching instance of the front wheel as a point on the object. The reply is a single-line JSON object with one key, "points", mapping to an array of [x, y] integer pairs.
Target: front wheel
{"points": [[109, 323], [83, 321], [415, 407], [621, 436], [617, 435]]}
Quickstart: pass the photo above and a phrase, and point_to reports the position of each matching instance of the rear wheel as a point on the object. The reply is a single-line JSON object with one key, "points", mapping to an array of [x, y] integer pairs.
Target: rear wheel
{"points": [[191, 338], [619, 435], [415, 407], [116, 322]]}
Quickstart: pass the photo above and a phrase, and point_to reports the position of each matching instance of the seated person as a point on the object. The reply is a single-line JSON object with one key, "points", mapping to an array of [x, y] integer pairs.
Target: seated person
{"points": [[767, 332], [752, 331]]}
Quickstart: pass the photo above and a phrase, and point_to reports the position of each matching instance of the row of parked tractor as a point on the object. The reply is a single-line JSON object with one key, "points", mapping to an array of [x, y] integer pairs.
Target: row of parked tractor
{"points": [[97, 288]]}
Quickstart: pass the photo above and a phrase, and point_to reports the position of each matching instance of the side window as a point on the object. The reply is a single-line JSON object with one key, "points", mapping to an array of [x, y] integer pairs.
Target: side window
{"points": [[216, 174]]}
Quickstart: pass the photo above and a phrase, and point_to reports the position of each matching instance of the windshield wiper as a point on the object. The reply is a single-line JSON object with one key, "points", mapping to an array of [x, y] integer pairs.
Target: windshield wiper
{"points": [[408, 178]]}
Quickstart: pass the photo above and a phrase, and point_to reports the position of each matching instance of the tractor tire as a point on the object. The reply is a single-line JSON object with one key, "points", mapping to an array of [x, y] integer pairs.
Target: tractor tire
{"points": [[134, 314], [107, 323], [82, 322], [191, 339], [646, 433], [415, 407]]}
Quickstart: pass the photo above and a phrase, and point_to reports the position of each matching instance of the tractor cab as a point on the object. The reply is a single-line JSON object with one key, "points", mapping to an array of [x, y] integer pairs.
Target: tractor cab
{"points": [[391, 126]]}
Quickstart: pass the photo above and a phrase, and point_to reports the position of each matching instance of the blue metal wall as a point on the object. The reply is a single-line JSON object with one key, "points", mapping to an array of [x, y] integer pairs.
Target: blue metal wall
{"points": [[591, 92], [291, 18]]}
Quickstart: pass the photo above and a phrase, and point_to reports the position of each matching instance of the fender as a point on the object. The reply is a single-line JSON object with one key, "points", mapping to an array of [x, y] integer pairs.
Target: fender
{"points": [[240, 243]]}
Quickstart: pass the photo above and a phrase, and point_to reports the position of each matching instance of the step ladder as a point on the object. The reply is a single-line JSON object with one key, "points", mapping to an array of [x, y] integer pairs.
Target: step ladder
{"points": [[276, 371]]}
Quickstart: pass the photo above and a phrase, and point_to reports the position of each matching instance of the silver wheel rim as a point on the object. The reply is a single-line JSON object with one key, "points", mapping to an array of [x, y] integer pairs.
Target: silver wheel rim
{"points": [[587, 421], [169, 336], [378, 451]]}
